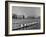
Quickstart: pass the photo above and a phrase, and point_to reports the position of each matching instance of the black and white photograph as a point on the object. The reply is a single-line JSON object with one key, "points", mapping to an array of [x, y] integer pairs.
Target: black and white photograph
{"points": [[25, 18]]}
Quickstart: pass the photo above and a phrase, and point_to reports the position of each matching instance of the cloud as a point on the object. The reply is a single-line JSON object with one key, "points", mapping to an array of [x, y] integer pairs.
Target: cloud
{"points": [[27, 11]]}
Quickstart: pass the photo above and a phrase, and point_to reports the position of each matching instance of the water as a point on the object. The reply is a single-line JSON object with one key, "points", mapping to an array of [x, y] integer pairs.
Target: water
{"points": [[16, 23]]}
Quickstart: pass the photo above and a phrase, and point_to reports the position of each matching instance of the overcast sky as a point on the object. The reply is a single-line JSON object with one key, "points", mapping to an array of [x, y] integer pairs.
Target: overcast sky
{"points": [[27, 11]]}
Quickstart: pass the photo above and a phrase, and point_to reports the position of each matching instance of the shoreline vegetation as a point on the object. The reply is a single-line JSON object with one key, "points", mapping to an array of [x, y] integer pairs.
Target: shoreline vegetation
{"points": [[24, 17]]}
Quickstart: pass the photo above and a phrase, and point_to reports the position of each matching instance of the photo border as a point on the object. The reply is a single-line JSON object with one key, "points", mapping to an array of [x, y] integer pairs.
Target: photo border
{"points": [[6, 18]]}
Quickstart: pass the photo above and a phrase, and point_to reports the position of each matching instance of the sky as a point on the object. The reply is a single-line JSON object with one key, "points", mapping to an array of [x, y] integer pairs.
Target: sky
{"points": [[26, 11]]}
